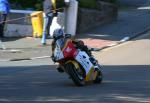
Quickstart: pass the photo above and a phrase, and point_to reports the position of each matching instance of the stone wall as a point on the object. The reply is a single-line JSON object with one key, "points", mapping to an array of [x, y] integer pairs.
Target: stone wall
{"points": [[91, 18]]}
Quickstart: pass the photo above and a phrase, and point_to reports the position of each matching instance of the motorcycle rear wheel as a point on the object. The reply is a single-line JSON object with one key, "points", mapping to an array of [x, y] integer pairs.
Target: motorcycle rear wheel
{"points": [[76, 74]]}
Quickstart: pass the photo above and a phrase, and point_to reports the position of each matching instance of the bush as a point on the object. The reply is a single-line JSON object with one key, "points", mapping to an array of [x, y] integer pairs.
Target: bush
{"points": [[24, 4], [37, 4], [111, 1], [88, 4]]}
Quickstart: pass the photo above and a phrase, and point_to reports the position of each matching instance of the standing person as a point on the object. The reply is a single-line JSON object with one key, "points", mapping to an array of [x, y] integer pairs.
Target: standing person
{"points": [[48, 16], [4, 10], [51, 9]]}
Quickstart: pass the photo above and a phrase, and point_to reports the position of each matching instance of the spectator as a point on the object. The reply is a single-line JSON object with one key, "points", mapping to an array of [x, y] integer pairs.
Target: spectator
{"points": [[48, 16], [48, 7], [4, 10]]}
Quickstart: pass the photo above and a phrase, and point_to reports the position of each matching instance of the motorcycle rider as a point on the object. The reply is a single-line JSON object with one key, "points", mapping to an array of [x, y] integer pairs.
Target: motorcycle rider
{"points": [[59, 34]]}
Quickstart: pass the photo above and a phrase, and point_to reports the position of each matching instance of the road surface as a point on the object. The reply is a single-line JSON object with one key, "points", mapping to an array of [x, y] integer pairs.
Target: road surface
{"points": [[132, 2], [126, 71]]}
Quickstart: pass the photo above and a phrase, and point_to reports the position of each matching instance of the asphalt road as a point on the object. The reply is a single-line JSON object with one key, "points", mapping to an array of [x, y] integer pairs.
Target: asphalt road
{"points": [[132, 2], [126, 71]]}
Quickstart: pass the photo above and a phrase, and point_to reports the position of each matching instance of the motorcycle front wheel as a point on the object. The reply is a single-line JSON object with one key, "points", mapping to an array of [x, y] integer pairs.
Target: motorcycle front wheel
{"points": [[99, 77], [76, 74]]}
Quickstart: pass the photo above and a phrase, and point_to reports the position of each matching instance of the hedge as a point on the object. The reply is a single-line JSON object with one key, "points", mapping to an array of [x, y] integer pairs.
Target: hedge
{"points": [[25, 4], [37, 4], [88, 4]]}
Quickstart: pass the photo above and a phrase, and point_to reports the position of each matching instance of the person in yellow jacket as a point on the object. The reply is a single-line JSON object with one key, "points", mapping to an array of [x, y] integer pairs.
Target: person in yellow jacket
{"points": [[51, 8], [59, 5]]}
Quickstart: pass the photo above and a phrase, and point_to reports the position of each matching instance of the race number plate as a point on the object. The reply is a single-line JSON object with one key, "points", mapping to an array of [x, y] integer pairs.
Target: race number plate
{"points": [[58, 54], [84, 60]]}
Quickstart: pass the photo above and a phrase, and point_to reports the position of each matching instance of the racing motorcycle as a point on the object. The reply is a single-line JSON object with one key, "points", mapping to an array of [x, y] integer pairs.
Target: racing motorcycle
{"points": [[72, 60]]}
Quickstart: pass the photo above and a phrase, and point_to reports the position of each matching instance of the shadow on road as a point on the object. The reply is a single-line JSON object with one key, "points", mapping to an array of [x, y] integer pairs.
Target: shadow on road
{"points": [[9, 39], [34, 84]]}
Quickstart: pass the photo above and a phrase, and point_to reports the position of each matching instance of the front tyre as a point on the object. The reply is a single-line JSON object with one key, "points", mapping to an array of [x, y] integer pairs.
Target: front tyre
{"points": [[76, 74]]}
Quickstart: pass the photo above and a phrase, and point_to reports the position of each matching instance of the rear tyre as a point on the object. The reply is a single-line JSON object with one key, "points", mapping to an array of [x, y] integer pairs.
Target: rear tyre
{"points": [[76, 74]]}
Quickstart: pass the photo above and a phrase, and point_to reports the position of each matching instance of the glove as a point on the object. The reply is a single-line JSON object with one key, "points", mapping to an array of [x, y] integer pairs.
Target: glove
{"points": [[53, 58]]}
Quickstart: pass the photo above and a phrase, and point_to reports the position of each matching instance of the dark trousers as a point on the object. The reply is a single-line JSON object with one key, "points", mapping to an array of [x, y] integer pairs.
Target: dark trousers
{"points": [[46, 27], [48, 23], [2, 24]]}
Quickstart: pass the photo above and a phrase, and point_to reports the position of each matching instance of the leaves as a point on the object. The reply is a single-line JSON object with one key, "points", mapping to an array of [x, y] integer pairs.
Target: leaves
{"points": [[37, 4], [25, 4]]}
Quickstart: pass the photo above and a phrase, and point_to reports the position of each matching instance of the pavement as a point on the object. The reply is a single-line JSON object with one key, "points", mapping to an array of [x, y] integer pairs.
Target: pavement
{"points": [[130, 24], [15, 49]]}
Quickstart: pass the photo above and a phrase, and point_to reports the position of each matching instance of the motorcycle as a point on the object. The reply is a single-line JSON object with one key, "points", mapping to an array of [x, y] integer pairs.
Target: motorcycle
{"points": [[80, 67]]}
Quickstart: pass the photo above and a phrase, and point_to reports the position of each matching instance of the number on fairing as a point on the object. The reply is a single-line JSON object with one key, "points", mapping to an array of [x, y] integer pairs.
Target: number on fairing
{"points": [[58, 53]]}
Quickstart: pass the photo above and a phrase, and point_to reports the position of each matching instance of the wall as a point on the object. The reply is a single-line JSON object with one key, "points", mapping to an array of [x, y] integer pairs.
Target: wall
{"points": [[20, 27], [90, 18]]}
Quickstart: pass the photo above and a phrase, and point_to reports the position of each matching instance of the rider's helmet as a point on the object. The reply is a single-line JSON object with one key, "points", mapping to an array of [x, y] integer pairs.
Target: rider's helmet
{"points": [[58, 34]]}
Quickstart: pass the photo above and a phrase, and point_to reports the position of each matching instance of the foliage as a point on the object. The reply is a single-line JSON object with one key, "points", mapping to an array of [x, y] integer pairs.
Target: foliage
{"points": [[88, 4], [37, 4], [25, 4], [111, 1]]}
